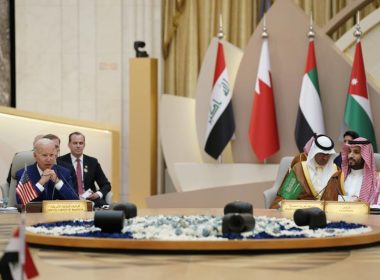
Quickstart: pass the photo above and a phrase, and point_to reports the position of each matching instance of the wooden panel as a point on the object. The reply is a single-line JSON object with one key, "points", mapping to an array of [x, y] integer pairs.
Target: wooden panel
{"points": [[142, 140]]}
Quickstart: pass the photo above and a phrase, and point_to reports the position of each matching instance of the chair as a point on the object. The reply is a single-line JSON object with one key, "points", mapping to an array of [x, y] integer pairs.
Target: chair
{"points": [[377, 161], [270, 194], [19, 161]]}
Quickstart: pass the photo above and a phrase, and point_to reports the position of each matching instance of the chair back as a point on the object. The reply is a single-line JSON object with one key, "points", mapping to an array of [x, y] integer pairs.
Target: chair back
{"points": [[270, 194], [19, 161], [377, 161]]}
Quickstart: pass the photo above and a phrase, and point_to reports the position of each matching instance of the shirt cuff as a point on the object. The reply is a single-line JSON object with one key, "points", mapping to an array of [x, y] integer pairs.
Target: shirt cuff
{"points": [[100, 195], [58, 185], [40, 187]]}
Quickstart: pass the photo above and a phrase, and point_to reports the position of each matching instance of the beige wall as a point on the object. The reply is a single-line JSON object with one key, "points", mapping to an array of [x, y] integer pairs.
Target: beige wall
{"points": [[72, 58]]}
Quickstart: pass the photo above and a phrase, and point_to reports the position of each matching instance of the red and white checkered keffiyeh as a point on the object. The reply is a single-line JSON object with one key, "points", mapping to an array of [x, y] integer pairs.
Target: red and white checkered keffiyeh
{"points": [[369, 191], [309, 143]]}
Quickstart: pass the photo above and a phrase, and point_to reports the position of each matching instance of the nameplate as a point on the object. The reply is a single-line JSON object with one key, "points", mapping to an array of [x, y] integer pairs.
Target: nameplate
{"points": [[293, 205], [64, 206], [337, 207]]}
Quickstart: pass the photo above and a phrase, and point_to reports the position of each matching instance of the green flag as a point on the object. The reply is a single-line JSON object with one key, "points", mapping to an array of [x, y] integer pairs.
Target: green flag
{"points": [[358, 115]]}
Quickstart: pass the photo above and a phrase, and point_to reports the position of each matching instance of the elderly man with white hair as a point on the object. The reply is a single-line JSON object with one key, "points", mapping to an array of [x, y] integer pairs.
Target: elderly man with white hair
{"points": [[307, 180], [44, 180]]}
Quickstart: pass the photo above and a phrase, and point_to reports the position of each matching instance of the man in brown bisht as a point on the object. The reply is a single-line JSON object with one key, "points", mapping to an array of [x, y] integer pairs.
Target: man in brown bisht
{"points": [[307, 180]]}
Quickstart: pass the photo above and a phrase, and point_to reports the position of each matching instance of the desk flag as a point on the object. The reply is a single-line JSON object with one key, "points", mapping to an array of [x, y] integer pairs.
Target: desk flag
{"points": [[17, 260], [310, 115], [357, 114], [220, 122], [24, 189], [263, 133]]}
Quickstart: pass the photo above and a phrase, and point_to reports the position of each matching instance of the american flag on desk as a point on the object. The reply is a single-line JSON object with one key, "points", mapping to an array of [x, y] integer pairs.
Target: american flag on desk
{"points": [[25, 190]]}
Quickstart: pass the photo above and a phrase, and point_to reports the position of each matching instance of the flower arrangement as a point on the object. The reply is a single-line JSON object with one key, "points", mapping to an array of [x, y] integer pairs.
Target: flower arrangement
{"points": [[196, 227]]}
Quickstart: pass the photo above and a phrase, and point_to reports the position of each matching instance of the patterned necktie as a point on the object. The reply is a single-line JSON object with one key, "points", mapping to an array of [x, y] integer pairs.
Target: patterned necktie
{"points": [[79, 177]]}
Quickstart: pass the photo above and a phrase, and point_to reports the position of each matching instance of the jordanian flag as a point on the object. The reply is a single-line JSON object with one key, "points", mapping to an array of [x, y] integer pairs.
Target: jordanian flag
{"points": [[310, 114], [358, 115], [220, 122]]}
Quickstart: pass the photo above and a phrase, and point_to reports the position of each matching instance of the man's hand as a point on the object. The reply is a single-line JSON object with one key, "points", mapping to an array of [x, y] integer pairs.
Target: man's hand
{"points": [[93, 196], [48, 174]]}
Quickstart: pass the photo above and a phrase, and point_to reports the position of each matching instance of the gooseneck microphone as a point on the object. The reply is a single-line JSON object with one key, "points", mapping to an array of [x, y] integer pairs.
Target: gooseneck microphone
{"points": [[59, 176]]}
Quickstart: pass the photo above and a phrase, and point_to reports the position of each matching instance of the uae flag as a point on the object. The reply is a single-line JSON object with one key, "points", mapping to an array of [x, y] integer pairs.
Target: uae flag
{"points": [[220, 121], [310, 115], [358, 115], [263, 133], [17, 262]]}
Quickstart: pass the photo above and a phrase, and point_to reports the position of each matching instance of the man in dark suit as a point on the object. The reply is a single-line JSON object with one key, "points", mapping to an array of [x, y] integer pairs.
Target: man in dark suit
{"points": [[44, 180], [69, 166], [88, 171]]}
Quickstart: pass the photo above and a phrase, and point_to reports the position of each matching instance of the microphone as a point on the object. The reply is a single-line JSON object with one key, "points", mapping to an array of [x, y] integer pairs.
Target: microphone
{"points": [[313, 217], [238, 207], [338, 190], [59, 176]]}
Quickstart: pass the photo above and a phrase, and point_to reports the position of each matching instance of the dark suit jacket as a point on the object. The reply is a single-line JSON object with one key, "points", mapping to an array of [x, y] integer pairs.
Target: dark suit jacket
{"points": [[92, 172], [50, 193], [73, 174], [69, 166]]}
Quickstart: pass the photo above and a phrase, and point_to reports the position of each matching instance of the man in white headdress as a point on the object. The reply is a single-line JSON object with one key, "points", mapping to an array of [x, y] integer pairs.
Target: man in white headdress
{"points": [[307, 180]]}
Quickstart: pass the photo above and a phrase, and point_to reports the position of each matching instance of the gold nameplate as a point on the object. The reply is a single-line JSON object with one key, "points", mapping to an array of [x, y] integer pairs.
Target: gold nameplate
{"points": [[292, 205], [338, 207], [64, 206]]}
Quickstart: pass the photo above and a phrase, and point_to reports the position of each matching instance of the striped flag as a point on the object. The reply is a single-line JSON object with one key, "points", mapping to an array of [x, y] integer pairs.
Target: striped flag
{"points": [[220, 122], [357, 114], [17, 260], [25, 190], [263, 133], [310, 115]]}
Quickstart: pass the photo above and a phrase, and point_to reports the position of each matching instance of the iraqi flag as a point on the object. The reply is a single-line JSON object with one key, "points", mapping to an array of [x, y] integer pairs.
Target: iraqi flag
{"points": [[16, 262], [310, 115], [220, 121], [358, 115], [263, 133]]}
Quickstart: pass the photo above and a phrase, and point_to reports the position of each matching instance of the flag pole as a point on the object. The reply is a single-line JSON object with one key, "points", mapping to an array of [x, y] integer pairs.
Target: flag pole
{"points": [[220, 36], [265, 35], [357, 32], [311, 33]]}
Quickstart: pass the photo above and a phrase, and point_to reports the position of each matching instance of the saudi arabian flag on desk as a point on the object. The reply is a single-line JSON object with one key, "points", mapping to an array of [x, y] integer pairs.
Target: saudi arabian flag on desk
{"points": [[358, 115], [310, 113]]}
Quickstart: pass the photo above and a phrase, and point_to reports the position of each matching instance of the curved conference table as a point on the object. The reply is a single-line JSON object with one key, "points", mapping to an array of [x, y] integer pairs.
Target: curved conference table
{"points": [[330, 263]]}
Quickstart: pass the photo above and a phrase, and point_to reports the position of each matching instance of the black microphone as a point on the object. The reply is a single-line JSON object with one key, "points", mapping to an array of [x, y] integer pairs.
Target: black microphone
{"points": [[59, 176], [313, 217], [237, 223], [338, 190], [238, 207]]}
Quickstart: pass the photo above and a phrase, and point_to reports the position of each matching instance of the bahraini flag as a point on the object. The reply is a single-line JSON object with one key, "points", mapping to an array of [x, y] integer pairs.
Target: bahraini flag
{"points": [[263, 132]]}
